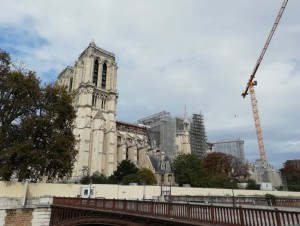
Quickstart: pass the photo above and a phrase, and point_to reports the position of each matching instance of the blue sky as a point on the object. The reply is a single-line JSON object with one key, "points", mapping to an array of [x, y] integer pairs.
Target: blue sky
{"points": [[176, 53]]}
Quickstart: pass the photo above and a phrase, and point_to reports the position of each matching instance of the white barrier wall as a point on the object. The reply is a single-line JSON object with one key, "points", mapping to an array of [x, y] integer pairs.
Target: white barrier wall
{"points": [[33, 190]]}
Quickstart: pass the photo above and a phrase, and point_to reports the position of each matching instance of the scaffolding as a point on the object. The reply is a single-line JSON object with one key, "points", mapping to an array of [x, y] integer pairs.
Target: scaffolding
{"points": [[179, 124], [198, 136], [161, 132], [234, 147]]}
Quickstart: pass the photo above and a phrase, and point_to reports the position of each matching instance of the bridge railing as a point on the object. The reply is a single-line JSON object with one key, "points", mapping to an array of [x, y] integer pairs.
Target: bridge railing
{"points": [[190, 212], [254, 200]]}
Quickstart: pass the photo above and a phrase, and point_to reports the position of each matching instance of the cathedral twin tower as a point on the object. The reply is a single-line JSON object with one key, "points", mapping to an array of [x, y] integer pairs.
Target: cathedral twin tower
{"points": [[92, 81]]}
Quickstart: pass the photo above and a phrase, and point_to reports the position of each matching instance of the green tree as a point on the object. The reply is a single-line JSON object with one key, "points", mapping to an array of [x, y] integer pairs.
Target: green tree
{"points": [[146, 176], [221, 181], [188, 170], [96, 178], [291, 172], [36, 139], [252, 185], [271, 199], [124, 168], [131, 178]]}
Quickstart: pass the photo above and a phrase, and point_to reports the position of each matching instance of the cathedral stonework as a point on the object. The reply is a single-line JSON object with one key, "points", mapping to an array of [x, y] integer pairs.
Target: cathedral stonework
{"points": [[92, 82], [101, 141]]}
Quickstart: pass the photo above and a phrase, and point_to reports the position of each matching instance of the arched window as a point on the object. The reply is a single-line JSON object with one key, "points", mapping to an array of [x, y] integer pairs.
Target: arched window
{"points": [[94, 101], [70, 84], [95, 74], [104, 72], [127, 155], [103, 104]]}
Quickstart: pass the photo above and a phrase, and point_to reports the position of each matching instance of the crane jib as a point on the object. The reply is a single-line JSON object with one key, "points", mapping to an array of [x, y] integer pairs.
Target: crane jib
{"points": [[260, 58], [251, 84]]}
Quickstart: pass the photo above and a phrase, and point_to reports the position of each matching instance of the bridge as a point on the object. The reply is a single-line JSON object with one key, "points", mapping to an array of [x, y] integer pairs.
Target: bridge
{"points": [[113, 212]]}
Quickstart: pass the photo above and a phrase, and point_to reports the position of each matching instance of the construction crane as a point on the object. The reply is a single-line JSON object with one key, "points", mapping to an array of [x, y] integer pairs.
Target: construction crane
{"points": [[251, 83]]}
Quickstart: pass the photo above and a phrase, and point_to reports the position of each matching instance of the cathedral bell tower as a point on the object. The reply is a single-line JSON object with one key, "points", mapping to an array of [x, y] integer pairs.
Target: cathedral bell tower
{"points": [[92, 81]]}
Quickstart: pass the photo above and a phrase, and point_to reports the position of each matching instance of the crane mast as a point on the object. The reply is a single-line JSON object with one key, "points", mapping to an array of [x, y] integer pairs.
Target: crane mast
{"points": [[251, 84]]}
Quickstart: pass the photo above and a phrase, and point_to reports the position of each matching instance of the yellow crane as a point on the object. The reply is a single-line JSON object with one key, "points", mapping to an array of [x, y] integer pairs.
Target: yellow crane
{"points": [[251, 83]]}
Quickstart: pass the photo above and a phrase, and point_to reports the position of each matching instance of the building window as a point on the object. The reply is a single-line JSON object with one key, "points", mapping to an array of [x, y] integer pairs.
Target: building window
{"points": [[104, 72], [71, 84], [94, 101], [95, 75], [103, 104]]}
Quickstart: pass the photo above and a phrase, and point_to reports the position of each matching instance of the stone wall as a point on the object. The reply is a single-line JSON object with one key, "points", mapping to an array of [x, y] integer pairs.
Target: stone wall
{"points": [[39, 216], [19, 217]]}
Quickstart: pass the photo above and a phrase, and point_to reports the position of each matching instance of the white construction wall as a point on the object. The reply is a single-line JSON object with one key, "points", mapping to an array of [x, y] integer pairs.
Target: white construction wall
{"points": [[29, 191]]}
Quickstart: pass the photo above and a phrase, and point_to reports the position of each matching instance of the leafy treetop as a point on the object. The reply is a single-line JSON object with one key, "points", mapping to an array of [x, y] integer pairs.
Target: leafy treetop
{"points": [[36, 139]]}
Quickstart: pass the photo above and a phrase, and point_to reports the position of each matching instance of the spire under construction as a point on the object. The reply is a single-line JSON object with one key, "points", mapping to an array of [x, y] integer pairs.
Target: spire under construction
{"points": [[198, 136]]}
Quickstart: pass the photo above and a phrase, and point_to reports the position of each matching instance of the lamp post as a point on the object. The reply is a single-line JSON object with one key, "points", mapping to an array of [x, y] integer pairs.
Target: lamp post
{"points": [[233, 199], [90, 189], [161, 182], [144, 190], [170, 180]]}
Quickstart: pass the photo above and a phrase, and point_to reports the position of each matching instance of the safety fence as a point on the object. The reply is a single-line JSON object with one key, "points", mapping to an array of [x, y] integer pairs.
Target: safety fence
{"points": [[212, 214]]}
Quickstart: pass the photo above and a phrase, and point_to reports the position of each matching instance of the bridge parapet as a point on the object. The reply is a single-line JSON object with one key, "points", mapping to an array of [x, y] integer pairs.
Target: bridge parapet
{"points": [[66, 209], [20, 202]]}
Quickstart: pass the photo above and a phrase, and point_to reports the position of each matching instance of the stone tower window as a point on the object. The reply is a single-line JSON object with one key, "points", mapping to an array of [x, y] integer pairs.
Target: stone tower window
{"points": [[104, 72], [103, 104], [95, 74], [71, 84], [94, 101]]}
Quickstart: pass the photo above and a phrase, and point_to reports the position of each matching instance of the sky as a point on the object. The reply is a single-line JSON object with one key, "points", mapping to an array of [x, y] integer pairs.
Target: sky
{"points": [[173, 54]]}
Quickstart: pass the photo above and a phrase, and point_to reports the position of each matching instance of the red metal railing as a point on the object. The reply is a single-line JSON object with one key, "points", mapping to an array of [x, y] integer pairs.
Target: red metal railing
{"points": [[190, 212], [277, 201]]}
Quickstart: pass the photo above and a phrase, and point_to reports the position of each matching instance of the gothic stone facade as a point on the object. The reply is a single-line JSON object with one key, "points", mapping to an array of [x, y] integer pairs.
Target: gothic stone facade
{"points": [[102, 142]]}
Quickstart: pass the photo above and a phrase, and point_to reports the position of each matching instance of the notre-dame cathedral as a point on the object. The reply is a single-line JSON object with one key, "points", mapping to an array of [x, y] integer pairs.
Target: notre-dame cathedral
{"points": [[103, 142]]}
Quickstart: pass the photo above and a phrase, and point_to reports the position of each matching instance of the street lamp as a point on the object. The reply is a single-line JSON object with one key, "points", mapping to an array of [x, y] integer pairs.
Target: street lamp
{"points": [[90, 189], [170, 180], [233, 199], [161, 182], [144, 190]]}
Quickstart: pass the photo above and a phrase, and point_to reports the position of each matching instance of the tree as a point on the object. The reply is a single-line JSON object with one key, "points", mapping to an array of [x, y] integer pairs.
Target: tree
{"points": [[239, 169], [221, 181], [217, 163], [291, 172], [124, 168], [36, 139], [131, 178], [252, 185], [188, 170], [223, 170], [96, 178], [146, 176]]}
